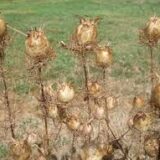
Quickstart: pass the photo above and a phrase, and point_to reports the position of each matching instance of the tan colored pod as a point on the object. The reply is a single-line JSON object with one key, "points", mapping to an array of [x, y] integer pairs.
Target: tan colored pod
{"points": [[155, 96], [3, 27], [73, 122], [94, 88], [151, 146], [37, 45], [103, 56], [86, 31], [65, 93], [153, 28], [20, 150], [138, 102], [141, 121]]}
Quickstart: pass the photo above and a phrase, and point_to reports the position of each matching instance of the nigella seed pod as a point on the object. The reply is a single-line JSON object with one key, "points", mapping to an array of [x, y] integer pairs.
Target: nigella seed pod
{"points": [[38, 46], [99, 112], [73, 122], [34, 138], [151, 146], [155, 96], [53, 112], [86, 32], [20, 149], [138, 102], [3, 27], [94, 88], [86, 129], [111, 102], [141, 121], [66, 93], [103, 56], [153, 28]]}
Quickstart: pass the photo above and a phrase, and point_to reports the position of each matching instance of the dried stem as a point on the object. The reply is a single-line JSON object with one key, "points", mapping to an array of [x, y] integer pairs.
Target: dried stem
{"points": [[43, 105], [104, 76], [16, 30], [7, 102], [84, 63], [151, 65]]}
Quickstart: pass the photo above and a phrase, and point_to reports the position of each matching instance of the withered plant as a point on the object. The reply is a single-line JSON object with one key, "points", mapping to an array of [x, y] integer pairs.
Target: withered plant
{"points": [[150, 36], [84, 40], [38, 53], [4, 39], [103, 58]]}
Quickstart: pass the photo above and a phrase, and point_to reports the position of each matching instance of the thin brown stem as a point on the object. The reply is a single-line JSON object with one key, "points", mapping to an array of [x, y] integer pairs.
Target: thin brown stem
{"points": [[84, 63], [104, 74], [151, 65], [7, 102], [43, 105]]}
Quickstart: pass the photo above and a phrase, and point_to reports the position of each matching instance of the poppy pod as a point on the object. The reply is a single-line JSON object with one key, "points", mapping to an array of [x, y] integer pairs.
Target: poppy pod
{"points": [[53, 111], [37, 45], [153, 28], [66, 93], [141, 121], [94, 88], [3, 27], [99, 112], [138, 102], [151, 146], [155, 96], [86, 32], [73, 123], [103, 56]]}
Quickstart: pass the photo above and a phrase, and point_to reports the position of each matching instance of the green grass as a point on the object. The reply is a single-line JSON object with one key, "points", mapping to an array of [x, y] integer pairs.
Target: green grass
{"points": [[120, 22], [3, 151]]}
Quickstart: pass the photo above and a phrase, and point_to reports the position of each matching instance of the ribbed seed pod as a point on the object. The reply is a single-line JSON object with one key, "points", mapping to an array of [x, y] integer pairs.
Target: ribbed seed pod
{"points": [[151, 146], [103, 56], [155, 96], [3, 27], [38, 46], [141, 121], [94, 88], [86, 31], [73, 122], [138, 102], [65, 93]]}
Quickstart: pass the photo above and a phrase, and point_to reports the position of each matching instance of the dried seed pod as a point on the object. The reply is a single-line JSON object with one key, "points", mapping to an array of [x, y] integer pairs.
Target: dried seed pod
{"points": [[20, 149], [141, 121], [153, 29], [111, 102], [155, 96], [3, 27], [86, 32], [138, 102], [151, 146], [94, 88], [99, 112], [52, 111], [66, 93], [86, 129], [34, 138], [38, 46], [73, 122], [103, 56], [93, 152]]}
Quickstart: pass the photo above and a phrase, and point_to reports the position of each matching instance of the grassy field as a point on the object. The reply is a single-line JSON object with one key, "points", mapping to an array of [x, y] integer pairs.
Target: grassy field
{"points": [[121, 20], [119, 25]]}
